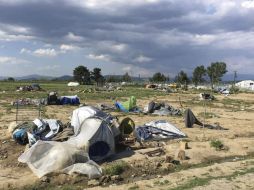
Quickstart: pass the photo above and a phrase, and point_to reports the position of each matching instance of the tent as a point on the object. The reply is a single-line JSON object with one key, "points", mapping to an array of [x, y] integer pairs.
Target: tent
{"points": [[190, 119], [128, 105], [94, 139], [95, 130], [246, 84], [71, 100], [157, 130], [73, 84]]}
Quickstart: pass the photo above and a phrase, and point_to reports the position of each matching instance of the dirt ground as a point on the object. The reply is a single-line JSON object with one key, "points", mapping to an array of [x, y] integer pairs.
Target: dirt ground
{"points": [[205, 168]]}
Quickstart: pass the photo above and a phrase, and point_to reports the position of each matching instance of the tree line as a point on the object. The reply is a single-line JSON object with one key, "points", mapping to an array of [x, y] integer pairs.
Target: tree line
{"points": [[82, 75], [214, 73]]}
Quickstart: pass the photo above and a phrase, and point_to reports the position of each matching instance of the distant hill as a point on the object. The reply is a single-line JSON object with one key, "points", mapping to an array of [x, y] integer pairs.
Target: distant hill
{"points": [[64, 78], [3, 78], [34, 77]]}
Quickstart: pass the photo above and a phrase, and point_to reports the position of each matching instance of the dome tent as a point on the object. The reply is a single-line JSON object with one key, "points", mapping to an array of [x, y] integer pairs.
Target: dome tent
{"points": [[95, 131]]}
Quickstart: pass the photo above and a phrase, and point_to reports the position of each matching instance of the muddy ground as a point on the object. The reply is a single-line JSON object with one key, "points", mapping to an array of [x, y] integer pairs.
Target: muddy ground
{"points": [[205, 168]]}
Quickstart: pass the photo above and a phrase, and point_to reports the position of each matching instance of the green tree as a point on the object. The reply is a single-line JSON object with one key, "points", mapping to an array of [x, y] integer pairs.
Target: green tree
{"points": [[96, 76], [82, 75], [215, 72], [158, 77], [11, 79], [126, 78], [198, 74], [183, 79]]}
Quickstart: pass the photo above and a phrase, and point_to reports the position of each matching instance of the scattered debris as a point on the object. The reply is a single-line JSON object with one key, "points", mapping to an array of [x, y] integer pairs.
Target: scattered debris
{"points": [[156, 152]]}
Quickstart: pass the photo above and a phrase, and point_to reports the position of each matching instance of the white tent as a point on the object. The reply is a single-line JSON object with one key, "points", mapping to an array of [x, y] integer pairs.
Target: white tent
{"points": [[246, 84], [73, 84], [95, 131], [94, 139]]}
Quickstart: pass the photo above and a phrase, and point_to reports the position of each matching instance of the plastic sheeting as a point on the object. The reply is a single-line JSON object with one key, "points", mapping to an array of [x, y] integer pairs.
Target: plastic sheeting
{"points": [[157, 130], [49, 156], [72, 100]]}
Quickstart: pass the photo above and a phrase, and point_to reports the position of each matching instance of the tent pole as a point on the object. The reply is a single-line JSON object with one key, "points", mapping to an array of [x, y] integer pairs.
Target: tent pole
{"points": [[204, 119]]}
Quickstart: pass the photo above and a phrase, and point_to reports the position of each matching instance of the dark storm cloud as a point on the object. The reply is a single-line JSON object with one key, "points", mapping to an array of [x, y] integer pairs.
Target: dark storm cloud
{"points": [[162, 35]]}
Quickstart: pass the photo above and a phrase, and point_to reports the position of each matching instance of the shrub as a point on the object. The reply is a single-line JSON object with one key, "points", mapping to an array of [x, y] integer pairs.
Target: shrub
{"points": [[217, 144], [116, 168]]}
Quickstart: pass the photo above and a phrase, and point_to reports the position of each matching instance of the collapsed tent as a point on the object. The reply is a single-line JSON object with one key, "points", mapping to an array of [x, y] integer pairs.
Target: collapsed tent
{"points": [[71, 100], [127, 106], [46, 157], [39, 129], [53, 99], [190, 119], [94, 137], [30, 101], [161, 109], [157, 130], [206, 96], [32, 87]]}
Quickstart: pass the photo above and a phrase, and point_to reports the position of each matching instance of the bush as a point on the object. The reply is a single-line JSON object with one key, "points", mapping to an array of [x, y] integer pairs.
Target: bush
{"points": [[116, 168], [234, 90], [217, 144]]}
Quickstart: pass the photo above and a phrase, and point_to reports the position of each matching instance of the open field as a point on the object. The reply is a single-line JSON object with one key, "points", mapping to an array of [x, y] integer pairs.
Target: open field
{"points": [[206, 168]]}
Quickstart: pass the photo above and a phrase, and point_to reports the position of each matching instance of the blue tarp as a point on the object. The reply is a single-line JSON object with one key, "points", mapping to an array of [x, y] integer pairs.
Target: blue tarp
{"points": [[71, 100]]}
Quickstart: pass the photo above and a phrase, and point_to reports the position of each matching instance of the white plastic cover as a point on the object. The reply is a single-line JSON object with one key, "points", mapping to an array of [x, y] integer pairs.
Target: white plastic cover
{"points": [[48, 156], [73, 84], [164, 125]]}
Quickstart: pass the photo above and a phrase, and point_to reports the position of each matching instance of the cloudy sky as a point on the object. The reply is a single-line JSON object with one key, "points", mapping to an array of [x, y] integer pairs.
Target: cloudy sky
{"points": [[51, 37]]}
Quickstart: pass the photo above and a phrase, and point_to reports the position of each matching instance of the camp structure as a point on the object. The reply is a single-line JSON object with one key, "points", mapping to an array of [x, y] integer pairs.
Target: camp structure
{"points": [[53, 99], [73, 84], [157, 130], [95, 131], [93, 140], [246, 84], [127, 106]]}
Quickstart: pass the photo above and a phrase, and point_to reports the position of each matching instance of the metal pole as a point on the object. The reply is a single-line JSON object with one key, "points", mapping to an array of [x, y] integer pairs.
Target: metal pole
{"points": [[39, 111], [17, 108], [204, 118]]}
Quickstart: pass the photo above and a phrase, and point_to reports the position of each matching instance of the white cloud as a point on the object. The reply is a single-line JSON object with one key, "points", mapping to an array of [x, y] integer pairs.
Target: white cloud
{"points": [[72, 37], [142, 59], [235, 40], [100, 57], [109, 4], [127, 68], [248, 4], [24, 50], [119, 47], [240, 63], [49, 52], [64, 48], [203, 39], [11, 60], [4, 36]]}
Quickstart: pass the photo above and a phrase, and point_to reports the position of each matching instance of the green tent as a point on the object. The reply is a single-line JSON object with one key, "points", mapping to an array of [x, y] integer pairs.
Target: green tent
{"points": [[130, 104]]}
